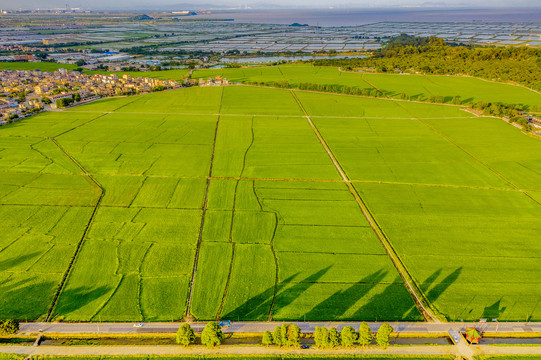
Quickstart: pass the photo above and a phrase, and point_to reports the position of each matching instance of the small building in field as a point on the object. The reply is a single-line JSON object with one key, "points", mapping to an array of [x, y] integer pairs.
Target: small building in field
{"points": [[473, 335]]}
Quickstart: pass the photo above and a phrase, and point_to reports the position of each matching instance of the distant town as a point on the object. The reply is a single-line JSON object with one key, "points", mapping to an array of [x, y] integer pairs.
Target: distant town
{"points": [[25, 92]]}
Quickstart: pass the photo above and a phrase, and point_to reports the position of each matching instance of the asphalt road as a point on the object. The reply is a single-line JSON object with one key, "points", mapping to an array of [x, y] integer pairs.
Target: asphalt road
{"points": [[259, 327]]}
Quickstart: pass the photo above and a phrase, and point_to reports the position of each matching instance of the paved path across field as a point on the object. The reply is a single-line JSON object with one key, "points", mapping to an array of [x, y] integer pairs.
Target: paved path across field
{"points": [[259, 327], [230, 349]]}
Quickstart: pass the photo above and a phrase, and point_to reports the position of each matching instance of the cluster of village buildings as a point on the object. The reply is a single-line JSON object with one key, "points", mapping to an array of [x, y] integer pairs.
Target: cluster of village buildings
{"points": [[23, 92]]}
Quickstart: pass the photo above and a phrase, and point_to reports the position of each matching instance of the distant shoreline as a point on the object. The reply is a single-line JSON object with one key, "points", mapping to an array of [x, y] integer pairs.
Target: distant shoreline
{"points": [[351, 17]]}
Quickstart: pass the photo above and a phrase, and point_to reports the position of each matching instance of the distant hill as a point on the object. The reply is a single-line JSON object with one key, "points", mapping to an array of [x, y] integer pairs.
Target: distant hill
{"points": [[142, 17]]}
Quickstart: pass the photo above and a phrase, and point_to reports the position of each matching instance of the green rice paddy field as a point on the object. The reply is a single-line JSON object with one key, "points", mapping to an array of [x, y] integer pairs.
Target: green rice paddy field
{"points": [[238, 176], [418, 87]]}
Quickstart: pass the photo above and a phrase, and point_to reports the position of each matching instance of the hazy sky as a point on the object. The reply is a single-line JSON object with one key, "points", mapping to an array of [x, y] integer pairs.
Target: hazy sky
{"points": [[128, 4]]}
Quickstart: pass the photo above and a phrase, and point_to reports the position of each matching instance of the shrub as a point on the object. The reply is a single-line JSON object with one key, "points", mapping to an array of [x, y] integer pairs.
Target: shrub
{"points": [[185, 335], [277, 336], [382, 336], [348, 336], [212, 335], [267, 338], [365, 334], [9, 327], [293, 335], [283, 334], [321, 337], [334, 338]]}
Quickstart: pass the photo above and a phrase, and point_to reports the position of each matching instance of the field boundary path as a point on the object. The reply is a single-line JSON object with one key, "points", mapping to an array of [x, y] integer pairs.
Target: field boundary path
{"points": [[204, 211], [417, 295]]}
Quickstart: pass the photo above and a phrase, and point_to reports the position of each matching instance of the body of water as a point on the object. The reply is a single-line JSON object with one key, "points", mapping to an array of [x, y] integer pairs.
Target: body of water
{"points": [[352, 17]]}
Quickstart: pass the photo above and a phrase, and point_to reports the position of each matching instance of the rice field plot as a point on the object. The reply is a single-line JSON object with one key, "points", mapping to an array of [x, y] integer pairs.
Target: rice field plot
{"points": [[474, 252], [139, 252], [270, 147], [444, 198], [331, 105], [283, 238], [45, 206], [498, 145], [144, 144], [36, 246], [135, 264], [324, 75], [469, 89], [258, 101], [417, 87], [46, 125], [194, 100], [403, 151], [33, 155], [294, 74], [254, 73], [271, 223]]}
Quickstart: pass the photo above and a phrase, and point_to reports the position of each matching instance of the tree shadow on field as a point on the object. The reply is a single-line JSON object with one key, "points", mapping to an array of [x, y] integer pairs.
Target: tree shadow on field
{"points": [[8, 264], [259, 306], [393, 303], [441, 286], [433, 288], [73, 299], [335, 306], [493, 311], [26, 298]]}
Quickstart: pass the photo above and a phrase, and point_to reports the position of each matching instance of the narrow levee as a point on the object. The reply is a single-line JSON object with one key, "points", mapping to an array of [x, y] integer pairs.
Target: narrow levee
{"points": [[204, 212]]}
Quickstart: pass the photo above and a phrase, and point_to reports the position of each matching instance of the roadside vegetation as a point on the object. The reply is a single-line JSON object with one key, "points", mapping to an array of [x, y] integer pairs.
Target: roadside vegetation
{"points": [[8, 327]]}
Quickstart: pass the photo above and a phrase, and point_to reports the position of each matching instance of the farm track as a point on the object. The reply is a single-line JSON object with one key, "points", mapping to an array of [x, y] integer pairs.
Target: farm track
{"points": [[411, 286], [205, 205]]}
